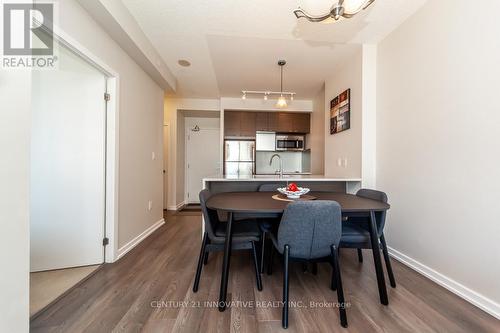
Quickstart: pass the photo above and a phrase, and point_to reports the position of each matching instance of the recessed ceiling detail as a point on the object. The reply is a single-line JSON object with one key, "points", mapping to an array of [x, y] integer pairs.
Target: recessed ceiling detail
{"points": [[229, 51]]}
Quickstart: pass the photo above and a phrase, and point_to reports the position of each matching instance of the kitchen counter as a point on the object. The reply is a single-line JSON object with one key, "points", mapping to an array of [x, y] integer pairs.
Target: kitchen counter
{"points": [[225, 183], [286, 178]]}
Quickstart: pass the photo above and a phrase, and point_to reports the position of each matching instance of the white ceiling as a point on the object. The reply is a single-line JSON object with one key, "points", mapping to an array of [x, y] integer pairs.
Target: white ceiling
{"points": [[234, 45]]}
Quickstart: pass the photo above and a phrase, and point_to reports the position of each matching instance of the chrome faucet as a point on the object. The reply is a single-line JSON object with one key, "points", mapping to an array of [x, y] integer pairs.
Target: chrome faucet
{"points": [[281, 163]]}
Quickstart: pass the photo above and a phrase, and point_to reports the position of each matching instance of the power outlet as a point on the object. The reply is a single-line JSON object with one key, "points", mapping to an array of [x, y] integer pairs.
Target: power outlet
{"points": [[339, 161], [150, 205], [345, 162], [153, 156]]}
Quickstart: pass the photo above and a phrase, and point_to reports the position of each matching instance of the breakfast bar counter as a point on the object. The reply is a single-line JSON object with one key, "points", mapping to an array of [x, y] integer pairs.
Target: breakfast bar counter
{"points": [[223, 183]]}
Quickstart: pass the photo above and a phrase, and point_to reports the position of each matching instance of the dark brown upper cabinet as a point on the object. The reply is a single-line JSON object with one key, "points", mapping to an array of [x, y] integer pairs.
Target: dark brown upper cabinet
{"points": [[262, 121], [285, 122], [301, 123], [232, 121], [245, 124]]}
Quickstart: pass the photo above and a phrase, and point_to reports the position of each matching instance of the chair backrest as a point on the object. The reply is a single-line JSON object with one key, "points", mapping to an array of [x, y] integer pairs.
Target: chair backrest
{"points": [[269, 187], [379, 196], [310, 228], [209, 215]]}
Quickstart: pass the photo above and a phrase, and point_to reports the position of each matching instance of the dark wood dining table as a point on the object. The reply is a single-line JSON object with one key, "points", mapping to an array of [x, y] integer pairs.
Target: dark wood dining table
{"points": [[262, 203]]}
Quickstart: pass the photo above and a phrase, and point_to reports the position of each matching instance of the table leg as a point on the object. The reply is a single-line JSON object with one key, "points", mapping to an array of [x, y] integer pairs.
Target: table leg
{"points": [[377, 260], [225, 263]]}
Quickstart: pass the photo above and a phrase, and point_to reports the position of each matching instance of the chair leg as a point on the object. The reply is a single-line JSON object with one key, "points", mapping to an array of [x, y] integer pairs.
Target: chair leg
{"points": [[304, 267], [262, 252], [200, 262], [387, 260], [256, 264], [315, 268], [360, 255], [333, 283], [270, 261], [286, 278], [340, 290]]}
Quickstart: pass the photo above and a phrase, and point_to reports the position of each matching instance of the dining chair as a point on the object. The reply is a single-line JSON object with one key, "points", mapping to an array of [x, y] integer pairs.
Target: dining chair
{"points": [[267, 222], [356, 234], [310, 231], [245, 233]]}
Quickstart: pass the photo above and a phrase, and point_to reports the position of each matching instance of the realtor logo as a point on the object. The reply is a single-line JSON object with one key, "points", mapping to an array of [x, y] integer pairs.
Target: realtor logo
{"points": [[28, 40]]}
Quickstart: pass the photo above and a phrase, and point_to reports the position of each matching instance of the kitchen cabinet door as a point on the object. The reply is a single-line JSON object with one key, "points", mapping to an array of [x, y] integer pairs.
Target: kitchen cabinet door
{"points": [[272, 121], [247, 124], [285, 122], [301, 123], [262, 121], [232, 120]]}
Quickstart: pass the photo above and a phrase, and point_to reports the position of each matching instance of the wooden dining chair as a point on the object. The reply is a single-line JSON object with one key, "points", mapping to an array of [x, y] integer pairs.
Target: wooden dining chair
{"points": [[355, 231], [310, 231], [245, 233]]}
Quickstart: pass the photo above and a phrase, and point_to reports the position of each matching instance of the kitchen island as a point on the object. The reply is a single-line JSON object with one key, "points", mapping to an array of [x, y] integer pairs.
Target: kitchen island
{"points": [[224, 183]]}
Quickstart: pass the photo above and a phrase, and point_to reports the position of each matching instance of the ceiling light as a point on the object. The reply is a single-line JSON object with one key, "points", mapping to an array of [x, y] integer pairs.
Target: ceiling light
{"points": [[184, 63], [341, 8], [281, 102]]}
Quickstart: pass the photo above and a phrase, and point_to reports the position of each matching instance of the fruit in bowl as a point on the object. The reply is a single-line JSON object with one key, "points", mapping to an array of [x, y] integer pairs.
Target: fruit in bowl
{"points": [[292, 187], [292, 191]]}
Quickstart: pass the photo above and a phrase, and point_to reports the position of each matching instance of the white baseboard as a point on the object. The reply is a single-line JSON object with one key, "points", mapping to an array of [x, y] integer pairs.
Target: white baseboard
{"points": [[177, 207], [139, 238], [468, 294]]}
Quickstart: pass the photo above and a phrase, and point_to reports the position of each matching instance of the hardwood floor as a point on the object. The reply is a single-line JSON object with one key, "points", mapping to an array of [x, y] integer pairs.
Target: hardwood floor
{"points": [[144, 290]]}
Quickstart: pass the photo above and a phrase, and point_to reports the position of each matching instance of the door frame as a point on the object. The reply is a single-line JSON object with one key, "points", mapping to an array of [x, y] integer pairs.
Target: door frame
{"points": [[110, 251]]}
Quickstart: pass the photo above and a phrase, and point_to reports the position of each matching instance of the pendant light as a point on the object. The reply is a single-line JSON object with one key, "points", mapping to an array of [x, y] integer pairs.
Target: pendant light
{"points": [[281, 100]]}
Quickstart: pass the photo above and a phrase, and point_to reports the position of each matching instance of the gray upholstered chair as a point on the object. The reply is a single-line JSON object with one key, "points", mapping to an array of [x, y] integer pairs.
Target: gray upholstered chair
{"points": [[245, 234], [355, 231], [310, 231]]}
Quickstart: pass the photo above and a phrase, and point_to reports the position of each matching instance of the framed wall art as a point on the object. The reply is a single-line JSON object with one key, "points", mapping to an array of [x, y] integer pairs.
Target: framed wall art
{"points": [[340, 112]]}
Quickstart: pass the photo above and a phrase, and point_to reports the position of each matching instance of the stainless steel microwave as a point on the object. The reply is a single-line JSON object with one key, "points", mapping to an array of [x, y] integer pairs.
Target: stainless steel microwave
{"points": [[290, 142]]}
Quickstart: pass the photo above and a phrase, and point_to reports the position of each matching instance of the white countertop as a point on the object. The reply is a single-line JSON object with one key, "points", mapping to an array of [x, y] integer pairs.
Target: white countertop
{"points": [[255, 178]]}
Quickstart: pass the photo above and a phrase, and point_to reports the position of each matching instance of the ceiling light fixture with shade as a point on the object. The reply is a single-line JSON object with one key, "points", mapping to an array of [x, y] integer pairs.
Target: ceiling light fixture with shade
{"points": [[340, 9], [282, 102]]}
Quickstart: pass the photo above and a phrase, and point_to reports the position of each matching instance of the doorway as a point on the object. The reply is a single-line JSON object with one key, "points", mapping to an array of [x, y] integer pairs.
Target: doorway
{"points": [[202, 133], [68, 176]]}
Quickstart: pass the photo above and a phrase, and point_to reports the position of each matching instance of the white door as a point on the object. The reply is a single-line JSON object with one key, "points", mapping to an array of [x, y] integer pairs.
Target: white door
{"points": [[202, 159], [67, 208], [166, 135]]}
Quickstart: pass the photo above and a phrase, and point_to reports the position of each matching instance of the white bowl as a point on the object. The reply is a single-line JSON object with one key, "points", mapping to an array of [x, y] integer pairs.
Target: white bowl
{"points": [[293, 195]]}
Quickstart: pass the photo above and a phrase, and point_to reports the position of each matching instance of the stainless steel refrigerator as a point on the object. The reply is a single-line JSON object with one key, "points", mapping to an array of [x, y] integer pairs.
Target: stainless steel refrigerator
{"points": [[239, 157]]}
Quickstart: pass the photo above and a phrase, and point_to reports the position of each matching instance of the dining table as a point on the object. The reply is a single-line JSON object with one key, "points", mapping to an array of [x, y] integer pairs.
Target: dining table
{"points": [[258, 204]]}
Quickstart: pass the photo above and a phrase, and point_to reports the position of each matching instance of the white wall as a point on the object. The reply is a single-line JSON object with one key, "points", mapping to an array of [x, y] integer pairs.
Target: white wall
{"points": [[140, 124], [15, 95], [438, 144], [316, 139], [345, 145], [173, 108]]}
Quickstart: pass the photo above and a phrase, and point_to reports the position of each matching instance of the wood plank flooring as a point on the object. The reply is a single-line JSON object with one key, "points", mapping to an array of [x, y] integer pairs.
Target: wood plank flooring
{"points": [[144, 291]]}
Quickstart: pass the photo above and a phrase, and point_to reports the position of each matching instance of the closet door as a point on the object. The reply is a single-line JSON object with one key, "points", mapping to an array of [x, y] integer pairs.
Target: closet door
{"points": [[67, 165]]}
